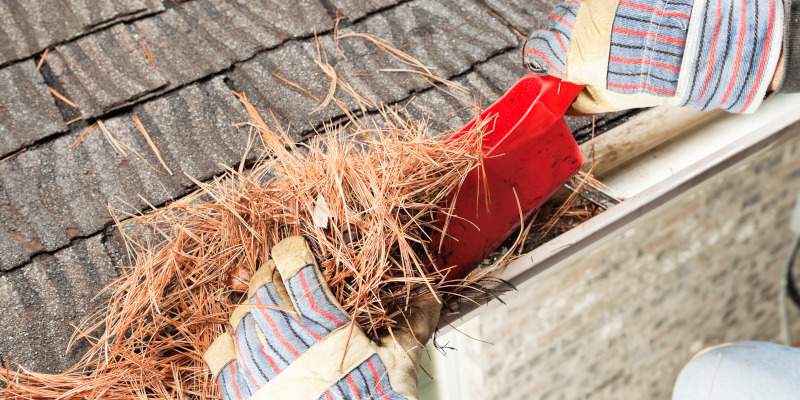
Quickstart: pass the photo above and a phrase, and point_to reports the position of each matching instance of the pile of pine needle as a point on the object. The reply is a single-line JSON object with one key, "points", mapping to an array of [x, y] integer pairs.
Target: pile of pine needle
{"points": [[367, 196]]}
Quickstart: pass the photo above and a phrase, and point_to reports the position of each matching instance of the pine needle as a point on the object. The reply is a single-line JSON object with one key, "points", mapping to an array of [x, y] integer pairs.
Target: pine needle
{"points": [[74, 120], [115, 144], [140, 126], [147, 54], [296, 86], [83, 135], [13, 155], [41, 60], [62, 97]]}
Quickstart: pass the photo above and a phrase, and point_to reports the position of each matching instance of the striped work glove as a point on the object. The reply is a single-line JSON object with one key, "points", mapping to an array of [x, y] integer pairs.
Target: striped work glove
{"points": [[290, 340], [702, 54]]}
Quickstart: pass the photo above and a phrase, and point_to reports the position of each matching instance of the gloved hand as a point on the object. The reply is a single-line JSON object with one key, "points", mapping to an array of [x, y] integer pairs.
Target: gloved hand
{"points": [[702, 54], [290, 340]]}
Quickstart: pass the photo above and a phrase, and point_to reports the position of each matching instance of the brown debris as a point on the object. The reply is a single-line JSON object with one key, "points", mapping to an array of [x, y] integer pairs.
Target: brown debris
{"points": [[382, 182], [559, 215]]}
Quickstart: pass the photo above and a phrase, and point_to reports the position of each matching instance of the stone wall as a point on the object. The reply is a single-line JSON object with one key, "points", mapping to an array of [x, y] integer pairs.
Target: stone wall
{"points": [[622, 321]]}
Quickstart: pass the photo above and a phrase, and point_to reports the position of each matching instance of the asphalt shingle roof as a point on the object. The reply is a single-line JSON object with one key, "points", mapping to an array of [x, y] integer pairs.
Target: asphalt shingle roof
{"points": [[28, 27], [57, 247]]}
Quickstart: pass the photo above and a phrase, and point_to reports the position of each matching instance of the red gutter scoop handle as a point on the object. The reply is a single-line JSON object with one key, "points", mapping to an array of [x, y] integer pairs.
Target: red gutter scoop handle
{"points": [[529, 153]]}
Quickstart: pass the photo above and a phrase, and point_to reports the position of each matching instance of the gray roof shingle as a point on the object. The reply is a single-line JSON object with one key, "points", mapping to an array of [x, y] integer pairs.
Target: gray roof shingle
{"points": [[355, 9], [51, 194], [110, 69], [446, 113], [203, 37], [27, 110], [105, 70], [523, 15], [43, 299]]}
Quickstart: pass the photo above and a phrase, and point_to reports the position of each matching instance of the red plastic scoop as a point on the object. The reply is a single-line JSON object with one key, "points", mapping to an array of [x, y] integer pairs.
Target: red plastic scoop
{"points": [[530, 152]]}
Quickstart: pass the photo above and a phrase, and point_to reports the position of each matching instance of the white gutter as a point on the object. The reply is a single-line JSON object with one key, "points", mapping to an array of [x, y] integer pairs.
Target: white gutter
{"points": [[658, 177]]}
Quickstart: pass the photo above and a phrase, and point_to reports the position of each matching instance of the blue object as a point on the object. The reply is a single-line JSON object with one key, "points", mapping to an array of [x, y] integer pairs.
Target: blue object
{"points": [[741, 370]]}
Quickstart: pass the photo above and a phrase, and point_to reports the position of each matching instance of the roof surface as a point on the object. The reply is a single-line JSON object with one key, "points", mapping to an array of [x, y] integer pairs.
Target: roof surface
{"points": [[174, 65]]}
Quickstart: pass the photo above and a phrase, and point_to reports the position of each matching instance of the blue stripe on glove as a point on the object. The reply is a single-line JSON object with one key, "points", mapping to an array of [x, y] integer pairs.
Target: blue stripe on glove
{"points": [[272, 334], [647, 42], [233, 384], [316, 309], [730, 56], [368, 381], [546, 49], [285, 338], [732, 53]]}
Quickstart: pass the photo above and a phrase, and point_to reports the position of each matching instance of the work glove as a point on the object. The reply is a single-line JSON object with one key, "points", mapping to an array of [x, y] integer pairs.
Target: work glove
{"points": [[702, 54], [293, 340]]}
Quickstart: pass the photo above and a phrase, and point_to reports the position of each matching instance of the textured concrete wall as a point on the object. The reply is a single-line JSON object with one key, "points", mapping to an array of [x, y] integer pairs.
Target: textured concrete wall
{"points": [[622, 321]]}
